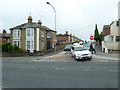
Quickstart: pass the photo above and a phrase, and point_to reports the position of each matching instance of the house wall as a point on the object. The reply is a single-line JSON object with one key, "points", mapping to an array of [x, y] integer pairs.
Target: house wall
{"points": [[2, 40], [62, 38], [11, 37], [23, 39], [106, 31], [110, 40], [43, 39]]}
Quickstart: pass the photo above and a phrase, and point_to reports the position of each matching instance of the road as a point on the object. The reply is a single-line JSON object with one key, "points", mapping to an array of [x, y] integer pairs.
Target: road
{"points": [[59, 71]]}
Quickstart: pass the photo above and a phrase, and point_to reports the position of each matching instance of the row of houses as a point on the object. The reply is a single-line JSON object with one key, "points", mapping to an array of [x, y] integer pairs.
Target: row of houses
{"points": [[67, 38], [33, 36], [111, 34]]}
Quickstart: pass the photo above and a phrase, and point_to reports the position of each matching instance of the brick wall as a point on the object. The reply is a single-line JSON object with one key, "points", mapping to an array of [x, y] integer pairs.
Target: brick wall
{"points": [[62, 38]]}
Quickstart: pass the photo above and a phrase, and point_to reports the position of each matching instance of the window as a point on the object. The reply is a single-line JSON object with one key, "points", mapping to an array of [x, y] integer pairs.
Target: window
{"points": [[117, 38], [28, 45], [17, 43], [42, 34], [117, 23], [48, 35], [16, 33], [31, 32], [28, 32]]}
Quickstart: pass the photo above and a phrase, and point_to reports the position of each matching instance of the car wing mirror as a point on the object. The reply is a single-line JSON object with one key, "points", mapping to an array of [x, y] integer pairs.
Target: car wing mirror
{"points": [[72, 48]]}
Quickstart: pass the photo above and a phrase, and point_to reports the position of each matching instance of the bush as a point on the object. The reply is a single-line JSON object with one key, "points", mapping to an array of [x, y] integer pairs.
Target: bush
{"points": [[20, 50], [10, 48], [16, 48], [5, 47]]}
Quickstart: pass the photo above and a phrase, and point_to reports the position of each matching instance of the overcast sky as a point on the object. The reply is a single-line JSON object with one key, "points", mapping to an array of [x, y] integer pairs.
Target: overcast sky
{"points": [[75, 16]]}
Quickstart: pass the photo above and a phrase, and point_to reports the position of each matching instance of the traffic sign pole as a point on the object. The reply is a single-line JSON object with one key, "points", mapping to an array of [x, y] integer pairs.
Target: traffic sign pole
{"points": [[55, 41]]}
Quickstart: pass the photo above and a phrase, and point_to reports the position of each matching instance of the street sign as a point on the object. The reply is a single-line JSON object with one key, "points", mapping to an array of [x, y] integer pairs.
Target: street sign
{"points": [[54, 40], [91, 37]]}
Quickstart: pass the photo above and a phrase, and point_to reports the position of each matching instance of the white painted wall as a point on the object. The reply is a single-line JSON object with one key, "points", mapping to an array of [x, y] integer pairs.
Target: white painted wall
{"points": [[119, 10], [110, 40], [31, 39], [37, 39]]}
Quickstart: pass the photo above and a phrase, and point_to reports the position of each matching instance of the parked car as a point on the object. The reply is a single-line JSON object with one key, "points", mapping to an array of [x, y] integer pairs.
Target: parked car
{"points": [[81, 52], [68, 47]]}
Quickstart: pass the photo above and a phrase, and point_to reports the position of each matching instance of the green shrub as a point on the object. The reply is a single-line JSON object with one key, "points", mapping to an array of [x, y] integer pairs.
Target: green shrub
{"points": [[10, 48], [20, 50], [16, 48], [5, 47]]}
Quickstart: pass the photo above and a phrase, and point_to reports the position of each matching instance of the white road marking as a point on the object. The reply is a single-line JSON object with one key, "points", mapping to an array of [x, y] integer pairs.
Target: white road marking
{"points": [[86, 69]]}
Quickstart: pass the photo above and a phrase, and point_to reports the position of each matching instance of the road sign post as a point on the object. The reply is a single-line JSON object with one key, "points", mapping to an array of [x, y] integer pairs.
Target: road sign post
{"points": [[91, 38], [55, 41]]}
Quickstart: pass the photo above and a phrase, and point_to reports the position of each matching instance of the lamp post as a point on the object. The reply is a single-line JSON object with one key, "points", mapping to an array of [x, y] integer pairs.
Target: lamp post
{"points": [[55, 19]]}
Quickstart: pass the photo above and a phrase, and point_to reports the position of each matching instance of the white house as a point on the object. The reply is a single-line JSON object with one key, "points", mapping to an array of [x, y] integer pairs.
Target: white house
{"points": [[112, 41]]}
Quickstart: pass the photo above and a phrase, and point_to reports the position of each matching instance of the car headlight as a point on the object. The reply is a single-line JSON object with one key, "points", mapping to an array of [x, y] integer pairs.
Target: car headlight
{"points": [[89, 53]]}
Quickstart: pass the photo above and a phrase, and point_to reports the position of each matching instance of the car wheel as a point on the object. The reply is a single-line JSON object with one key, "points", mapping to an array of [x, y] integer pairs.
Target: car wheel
{"points": [[90, 58]]}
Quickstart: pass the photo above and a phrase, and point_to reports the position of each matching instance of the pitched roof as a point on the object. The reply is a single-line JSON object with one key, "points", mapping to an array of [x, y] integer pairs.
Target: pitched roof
{"points": [[27, 25], [106, 26], [31, 25], [4, 35]]}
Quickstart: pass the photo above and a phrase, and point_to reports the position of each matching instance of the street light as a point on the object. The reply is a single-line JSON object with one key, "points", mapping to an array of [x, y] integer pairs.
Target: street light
{"points": [[55, 19], [54, 11]]}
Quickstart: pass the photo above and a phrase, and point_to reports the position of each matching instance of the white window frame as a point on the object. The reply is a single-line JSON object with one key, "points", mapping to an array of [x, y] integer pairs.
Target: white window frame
{"points": [[29, 32], [42, 34], [30, 38], [17, 43], [48, 35], [27, 45], [16, 33]]}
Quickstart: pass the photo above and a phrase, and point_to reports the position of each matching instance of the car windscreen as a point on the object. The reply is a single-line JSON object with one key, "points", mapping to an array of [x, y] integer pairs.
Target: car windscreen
{"points": [[80, 48], [69, 46]]}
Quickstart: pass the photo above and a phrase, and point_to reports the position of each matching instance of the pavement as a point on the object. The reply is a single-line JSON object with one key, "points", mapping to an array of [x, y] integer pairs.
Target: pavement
{"points": [[107, 56]]}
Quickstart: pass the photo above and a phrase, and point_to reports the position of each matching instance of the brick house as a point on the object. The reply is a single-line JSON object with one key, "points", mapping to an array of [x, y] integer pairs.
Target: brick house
{"points": [[106, 30], [67, 38], [32, 36], [4, 37]]}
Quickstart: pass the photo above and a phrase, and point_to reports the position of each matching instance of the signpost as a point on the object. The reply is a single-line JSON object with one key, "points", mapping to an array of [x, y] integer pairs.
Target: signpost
{"points": [[55, 41], [91, 37]]}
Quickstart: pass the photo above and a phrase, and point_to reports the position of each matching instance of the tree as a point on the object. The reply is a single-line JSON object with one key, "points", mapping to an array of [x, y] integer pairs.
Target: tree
{"points": [[101, 37], [96, 33]]}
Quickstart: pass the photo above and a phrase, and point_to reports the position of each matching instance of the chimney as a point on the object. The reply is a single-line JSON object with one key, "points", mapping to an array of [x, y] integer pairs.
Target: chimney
{"points": [[29, 19], [4, 31], [67, 32], [39, 22]]}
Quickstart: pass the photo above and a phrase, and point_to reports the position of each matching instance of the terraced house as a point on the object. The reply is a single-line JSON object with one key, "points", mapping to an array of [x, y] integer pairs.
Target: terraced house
{"points": [[32, 36]]}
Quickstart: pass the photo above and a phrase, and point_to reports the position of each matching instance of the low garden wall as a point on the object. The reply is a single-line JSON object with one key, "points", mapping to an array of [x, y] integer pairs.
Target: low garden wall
{"points": [[40, 53]]}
